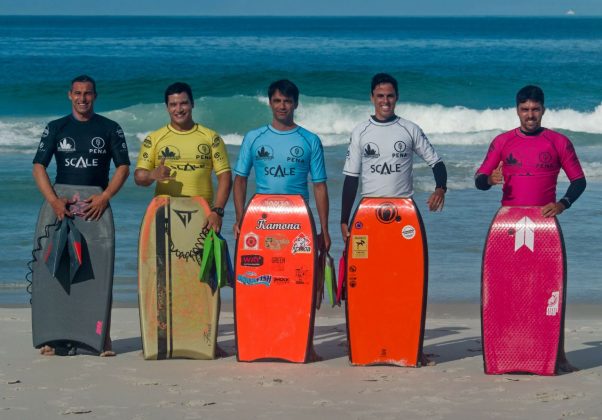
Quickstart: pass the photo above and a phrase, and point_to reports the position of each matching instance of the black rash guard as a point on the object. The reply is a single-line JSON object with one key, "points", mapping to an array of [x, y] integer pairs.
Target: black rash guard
{"points": [[83, 149]]}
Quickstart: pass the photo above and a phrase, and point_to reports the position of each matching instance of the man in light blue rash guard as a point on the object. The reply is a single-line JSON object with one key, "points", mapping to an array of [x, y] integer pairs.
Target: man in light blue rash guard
{"points": [[283, 155]]}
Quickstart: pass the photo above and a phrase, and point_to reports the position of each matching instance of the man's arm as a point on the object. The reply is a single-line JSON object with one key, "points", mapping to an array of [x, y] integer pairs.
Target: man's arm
{"points": [[240, 196], [574, 191], [350, 186], [437, 198], [321, 196], [97, 203], [484, 181], [224, 184], [59, 204]]}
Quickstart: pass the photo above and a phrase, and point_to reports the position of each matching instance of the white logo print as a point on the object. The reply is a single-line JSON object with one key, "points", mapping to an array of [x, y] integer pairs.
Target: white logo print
{"points": [[45, 133], [552, 308], [66, 145], [525, 234], [98, 143]]}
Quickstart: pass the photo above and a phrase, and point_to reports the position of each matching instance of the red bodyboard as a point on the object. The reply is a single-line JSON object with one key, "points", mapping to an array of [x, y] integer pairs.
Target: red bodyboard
{"points": [[275, 279]]}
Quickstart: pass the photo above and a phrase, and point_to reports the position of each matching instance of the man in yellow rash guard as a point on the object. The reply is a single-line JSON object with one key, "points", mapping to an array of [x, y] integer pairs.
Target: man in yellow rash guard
{"points": [[181, 156]]}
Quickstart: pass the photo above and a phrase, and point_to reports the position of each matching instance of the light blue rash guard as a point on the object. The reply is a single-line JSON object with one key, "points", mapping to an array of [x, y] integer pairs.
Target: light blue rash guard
{"points": [[282, 160]]}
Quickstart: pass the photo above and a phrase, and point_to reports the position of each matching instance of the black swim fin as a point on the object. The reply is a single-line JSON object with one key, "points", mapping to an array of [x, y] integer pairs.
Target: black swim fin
{"points": [[74, 239], [55, 247]]}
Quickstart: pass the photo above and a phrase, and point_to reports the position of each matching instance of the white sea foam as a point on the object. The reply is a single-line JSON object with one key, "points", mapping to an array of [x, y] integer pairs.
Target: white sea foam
{"points": [[332, 119]]}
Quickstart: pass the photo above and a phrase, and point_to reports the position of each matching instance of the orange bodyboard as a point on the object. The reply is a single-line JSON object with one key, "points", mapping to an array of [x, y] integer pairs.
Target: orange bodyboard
{"points": [[386, 281], [275, 265]]}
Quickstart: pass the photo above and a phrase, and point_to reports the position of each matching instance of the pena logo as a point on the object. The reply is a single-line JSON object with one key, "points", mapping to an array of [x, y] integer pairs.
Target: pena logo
{"points": [[170, 153], [371, 151], [98, 143], [296, 155], [251, 241], [264, 153], [400, 146], [204, 149], [545, 157], [147, 142], [216, 142], [66, 144], [387, 213], [45, 133], [120, 134]]}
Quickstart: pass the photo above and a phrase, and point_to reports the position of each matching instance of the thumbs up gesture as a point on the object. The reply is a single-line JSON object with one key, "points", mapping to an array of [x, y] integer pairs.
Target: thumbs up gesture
{"points": [[496, 176], [162, 172]]}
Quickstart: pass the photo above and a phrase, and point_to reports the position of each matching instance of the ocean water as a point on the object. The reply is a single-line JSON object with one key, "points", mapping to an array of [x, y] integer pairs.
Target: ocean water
{"points": [[457, 80]]}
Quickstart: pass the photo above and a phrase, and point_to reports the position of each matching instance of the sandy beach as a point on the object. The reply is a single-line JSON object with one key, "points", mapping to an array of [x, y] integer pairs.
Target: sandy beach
{"points": [[127, 387]]}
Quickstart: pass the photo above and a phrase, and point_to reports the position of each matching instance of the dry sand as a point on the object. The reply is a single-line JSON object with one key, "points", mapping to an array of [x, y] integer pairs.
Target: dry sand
{"points": [[127, 387]]}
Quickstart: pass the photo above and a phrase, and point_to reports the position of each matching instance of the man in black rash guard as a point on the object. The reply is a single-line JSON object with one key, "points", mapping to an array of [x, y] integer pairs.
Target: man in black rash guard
{"points": [[83, 144]]}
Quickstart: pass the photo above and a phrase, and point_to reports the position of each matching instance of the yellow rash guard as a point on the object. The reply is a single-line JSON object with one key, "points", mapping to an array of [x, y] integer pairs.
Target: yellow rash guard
{"points": [[191, 156]]}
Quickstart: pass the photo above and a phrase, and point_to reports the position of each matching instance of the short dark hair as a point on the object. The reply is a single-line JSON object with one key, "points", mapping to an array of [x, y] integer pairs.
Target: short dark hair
{"points": [[380, 78], [84, 78], [530, 92], [179, 87], [286, 87]]}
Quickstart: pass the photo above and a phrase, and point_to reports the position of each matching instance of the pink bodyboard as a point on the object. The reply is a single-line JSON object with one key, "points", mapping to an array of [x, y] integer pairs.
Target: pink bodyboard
{"points": [[523, 292]]}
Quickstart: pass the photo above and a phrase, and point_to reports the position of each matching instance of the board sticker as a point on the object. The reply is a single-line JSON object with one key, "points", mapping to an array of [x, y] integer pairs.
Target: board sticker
{"points": [[359, 246]]}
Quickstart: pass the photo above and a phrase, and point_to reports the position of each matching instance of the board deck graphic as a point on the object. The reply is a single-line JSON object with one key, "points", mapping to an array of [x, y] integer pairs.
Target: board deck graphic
{"points": [[275, 276], [178, 313], [386, 278], [73, 309], [523, 292]]}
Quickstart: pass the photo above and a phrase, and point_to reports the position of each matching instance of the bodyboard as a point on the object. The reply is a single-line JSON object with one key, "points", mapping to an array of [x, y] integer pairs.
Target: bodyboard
{"points": [[275, 279], [523, 292], [73, 310], [386, 283], [178, 312]]}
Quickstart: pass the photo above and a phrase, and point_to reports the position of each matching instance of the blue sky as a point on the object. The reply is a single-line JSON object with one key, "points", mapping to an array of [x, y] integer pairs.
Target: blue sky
{"points": [[303, 7]]}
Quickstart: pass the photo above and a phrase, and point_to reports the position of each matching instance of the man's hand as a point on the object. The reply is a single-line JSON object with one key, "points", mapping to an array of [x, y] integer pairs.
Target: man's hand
{"points": [[436, 200], [552, 209], [345, 231], [324, 241], [161, 172], [59, 205], [496, 176], [97, 204], [214, 222], [236, 229]]}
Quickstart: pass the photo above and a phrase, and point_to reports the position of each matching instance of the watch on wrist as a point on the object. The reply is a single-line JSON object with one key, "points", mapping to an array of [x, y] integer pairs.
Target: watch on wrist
{"points": [[218, 210]]}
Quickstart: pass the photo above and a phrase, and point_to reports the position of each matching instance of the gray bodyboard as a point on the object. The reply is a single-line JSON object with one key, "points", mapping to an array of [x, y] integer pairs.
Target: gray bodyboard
{"points": [[78, 314]]}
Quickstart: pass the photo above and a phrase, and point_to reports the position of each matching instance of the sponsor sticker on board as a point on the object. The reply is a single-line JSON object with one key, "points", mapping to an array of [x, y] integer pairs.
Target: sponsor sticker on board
{"points": [[408, 232], [251, 241], [359, 246]]}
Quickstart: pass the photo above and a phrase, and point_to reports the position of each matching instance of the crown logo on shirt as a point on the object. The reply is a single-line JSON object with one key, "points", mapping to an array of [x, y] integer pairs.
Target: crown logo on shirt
{"points": [[66, 144]]}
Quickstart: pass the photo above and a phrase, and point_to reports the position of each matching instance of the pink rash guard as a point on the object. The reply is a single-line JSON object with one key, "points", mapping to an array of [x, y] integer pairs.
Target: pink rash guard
{"points": [[531, 165]]}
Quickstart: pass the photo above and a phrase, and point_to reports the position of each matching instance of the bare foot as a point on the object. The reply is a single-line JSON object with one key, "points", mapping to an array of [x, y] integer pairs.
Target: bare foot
{"points": [[220, 352], [313, 356], [47, 351], [108, 348]]}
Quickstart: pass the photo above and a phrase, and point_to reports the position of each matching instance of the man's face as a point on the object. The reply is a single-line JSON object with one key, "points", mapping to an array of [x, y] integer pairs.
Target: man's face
{"points": [[283, 108], [179, 107], [384, 100], [530, 114], [82, 99]]}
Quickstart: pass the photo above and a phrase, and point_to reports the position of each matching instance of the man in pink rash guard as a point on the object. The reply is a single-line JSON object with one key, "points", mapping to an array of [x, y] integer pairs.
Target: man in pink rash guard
{"points": [[527, 161]]}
